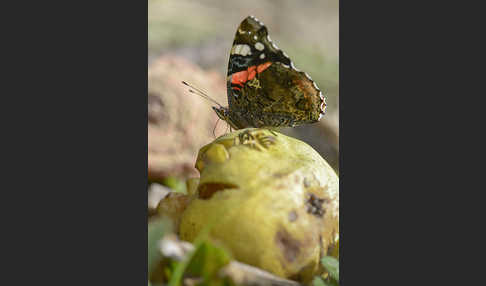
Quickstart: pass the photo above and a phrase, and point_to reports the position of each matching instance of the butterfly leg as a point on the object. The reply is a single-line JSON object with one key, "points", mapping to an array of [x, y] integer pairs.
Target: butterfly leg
{"points": [[214, 129]]}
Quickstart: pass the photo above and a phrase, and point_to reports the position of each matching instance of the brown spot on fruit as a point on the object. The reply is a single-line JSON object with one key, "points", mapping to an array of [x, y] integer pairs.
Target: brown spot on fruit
{"points": [[281, 174], [307, 182], [293, 216], [297, 179], [207, 190], [281, 187], [289, 246], [314, 205]]}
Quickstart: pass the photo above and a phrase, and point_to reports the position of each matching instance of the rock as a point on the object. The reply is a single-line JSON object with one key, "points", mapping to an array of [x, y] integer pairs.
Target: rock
{"points": [[179, 122]]}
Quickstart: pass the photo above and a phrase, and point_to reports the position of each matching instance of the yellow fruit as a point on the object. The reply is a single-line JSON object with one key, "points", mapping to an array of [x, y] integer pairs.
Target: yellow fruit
{"points": [[272, 200]]}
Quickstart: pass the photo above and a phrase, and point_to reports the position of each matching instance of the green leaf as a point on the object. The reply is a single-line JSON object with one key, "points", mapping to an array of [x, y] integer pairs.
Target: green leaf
{"points": [[156, 230], [177, 185], [332, 266], [180, 268], [207, 260], [318, 281]]}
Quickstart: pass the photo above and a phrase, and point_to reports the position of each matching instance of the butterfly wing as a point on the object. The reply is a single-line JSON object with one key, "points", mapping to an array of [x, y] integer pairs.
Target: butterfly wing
{"points": [[264, 87]]}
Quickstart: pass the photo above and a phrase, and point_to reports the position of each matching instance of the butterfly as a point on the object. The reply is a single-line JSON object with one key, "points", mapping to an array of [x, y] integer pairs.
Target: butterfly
{"points": [[264, 88]]}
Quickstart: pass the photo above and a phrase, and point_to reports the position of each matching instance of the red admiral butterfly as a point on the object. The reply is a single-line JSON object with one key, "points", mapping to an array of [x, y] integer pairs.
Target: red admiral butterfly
{"points": [[264, 88]]}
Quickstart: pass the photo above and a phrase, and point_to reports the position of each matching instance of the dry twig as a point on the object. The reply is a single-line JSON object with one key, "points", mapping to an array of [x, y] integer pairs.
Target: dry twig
{"points": [[240, 273]]}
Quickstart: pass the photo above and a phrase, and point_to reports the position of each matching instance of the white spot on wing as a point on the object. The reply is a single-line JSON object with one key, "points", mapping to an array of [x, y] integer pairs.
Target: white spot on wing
{"points": [[255, 37], [246, 50], [259, 46], [254, 18], [237, 49], [292, 66], [273, 44], [323, 105], [243, 50], [262, 56]]}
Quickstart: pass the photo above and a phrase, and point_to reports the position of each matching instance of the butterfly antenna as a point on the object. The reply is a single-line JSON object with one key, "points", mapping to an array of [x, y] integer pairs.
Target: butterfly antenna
{"points": [[201, 93]]}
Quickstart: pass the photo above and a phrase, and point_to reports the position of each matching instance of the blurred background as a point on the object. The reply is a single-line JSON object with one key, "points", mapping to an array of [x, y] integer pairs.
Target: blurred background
{"points": [[191, 40]]}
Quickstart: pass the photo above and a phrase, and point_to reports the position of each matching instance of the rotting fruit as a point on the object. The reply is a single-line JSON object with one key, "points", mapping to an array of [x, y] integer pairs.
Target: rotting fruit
{"points": [[272, 200]]}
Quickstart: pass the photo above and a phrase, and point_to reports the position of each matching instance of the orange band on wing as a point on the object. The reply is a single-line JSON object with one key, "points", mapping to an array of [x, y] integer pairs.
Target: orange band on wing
{"points": [[263, 66], [239, 77], [252, 74]]}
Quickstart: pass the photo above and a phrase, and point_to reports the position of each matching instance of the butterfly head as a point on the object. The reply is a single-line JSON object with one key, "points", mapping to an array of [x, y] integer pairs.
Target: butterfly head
{"points": [[224, 114]]}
